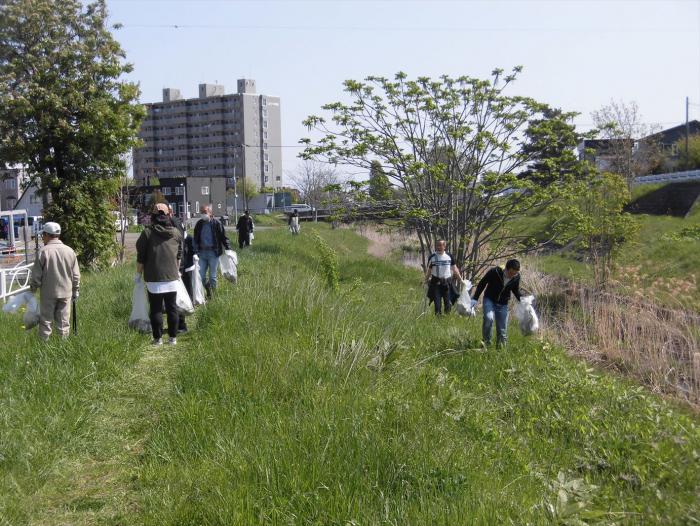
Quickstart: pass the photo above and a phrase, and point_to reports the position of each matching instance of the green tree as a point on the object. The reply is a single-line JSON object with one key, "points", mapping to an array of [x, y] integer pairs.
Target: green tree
{"points": [[67, 115], [691, 160], [455, 147], [593, 219], [379, 185]]}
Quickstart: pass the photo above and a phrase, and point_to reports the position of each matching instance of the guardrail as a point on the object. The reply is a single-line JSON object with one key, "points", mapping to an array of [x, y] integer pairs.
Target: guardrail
{"points": [[674, 177], [14, 280]]}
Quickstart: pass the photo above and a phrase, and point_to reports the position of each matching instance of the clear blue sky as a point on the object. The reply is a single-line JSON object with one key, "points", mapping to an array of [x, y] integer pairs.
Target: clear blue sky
{"points": [[577, 55]]}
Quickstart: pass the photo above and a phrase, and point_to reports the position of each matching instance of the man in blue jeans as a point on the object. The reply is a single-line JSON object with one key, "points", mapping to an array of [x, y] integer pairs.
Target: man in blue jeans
{"points": [[498, 284], [209, 243]]}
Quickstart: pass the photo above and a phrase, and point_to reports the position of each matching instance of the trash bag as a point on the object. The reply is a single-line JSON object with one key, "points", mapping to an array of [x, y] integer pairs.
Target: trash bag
{"points": [[16, 302], [198, 297], [465, 304], [526, 316], [227, 263], [31, 315], [183, 303], [139, 319]]}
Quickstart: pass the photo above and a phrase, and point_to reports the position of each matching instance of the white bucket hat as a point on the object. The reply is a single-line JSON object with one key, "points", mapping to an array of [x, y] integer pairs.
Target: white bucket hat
{"points": [[52, 229]]}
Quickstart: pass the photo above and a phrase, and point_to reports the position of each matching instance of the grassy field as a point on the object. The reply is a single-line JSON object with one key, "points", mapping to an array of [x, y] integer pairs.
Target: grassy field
{"points": [[292, 404]]}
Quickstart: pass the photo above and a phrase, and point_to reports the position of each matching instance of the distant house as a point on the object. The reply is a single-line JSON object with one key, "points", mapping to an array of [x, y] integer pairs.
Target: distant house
{"points": [[600, 152], [12, 183], [668, 141], [31, 201]]}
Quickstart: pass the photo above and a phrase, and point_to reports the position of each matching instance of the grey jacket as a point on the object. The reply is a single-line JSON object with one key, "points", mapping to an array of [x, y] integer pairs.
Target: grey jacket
{"points": [[55, 271]]}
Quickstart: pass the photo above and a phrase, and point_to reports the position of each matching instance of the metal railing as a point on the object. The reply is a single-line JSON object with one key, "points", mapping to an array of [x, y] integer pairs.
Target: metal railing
{"points": [[674, 177], [14, 280]]}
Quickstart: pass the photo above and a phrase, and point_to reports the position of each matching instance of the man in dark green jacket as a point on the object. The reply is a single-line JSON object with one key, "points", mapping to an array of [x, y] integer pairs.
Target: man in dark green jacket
{"points": [[158, 254]]}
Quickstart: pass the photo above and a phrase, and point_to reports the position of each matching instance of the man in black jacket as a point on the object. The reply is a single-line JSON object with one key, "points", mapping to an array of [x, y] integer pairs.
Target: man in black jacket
{"points": [[245, 228], [498, 284], [209, 243]]}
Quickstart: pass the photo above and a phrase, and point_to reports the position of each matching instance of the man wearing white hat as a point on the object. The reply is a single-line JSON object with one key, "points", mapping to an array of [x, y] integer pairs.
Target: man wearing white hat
{"points": [[57, 275]]}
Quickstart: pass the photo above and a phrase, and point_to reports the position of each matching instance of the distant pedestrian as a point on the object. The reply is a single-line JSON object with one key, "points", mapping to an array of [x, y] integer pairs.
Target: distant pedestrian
{"points": [[245, 228], [210, 241], [441, 269], [497, 284], [57, 276], [158, 255], [293, 222]]}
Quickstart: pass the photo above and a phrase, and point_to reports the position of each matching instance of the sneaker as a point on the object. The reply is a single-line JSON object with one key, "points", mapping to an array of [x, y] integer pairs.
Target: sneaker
{"points": [[172, 341], [157, 341]]}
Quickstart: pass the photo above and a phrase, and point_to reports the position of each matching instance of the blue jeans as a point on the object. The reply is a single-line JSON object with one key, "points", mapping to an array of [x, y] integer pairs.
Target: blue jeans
{"points": [[494, 311], [208, 260]]}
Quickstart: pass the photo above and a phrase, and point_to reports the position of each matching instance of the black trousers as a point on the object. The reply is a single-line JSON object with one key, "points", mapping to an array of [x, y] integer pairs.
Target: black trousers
{"points": [[243, 239], [441, 293], [156, 301]]}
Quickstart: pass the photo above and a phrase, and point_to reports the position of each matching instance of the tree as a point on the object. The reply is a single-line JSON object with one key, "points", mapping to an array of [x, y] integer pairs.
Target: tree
{"points": [[691, 160], [593, 219], [455, 147], [67, 115], [630, 148], [312, 180], [379, 185]]}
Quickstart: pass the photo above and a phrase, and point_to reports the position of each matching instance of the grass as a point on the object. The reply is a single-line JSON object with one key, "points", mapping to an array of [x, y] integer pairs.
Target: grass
{"points": [[290, 403]]}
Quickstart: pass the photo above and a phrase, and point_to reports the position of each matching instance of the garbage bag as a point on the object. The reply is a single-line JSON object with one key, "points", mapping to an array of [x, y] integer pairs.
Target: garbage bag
{"points": [[16, 302], [198, 297], [465, 305], [139, 319], [183, 303], [31, 315], [227, 263], [526, 316]]}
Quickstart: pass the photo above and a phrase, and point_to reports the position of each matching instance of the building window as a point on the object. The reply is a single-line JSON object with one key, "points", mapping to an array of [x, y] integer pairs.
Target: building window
{"points": [[266, 178], [264, 135], [267, 157], [205, 190], [264, 101], [267, 167], [166, 190], [10, 184], [33, 199], [264, 112], [278, 178], [265, 123], [179, 190], [265, 145]]}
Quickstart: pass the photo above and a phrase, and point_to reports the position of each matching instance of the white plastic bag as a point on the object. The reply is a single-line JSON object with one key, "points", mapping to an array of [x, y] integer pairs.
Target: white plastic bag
{"points": [[465, 305], [139, 319], [31, 315], [227, 263], [183, 303], [16, 302], [198, 297], [526, 315]]}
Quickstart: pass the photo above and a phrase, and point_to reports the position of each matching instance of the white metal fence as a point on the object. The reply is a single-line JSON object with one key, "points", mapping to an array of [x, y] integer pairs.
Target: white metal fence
{"points": [[14, 279], [676, 177]]}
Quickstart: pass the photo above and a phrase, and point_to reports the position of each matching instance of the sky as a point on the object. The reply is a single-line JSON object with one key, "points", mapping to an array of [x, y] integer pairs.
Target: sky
{"points": [[577, 54]]}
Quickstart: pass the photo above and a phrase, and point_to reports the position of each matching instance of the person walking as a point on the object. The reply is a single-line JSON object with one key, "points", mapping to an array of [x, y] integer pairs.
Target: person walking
{"points": [[497, 285], [293, 222], [158, 255], [441, 267], [209, 243], [245, 228], [56, 274]]}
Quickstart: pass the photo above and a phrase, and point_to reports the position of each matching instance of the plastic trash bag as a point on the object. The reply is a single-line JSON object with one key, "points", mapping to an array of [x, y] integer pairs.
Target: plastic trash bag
{"points": [[526, 316], [227, 263], [183, 303], [465, 305], [139, 319], [31, 315], [16, 302], [198, 297]]}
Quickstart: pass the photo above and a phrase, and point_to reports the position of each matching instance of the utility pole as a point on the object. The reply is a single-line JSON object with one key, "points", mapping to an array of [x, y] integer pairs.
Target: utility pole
{"points": [[687, 129]]}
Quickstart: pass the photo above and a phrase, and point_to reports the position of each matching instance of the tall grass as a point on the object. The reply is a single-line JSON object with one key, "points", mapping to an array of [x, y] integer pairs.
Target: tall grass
{"points": [[293, 404], [657, 345]]}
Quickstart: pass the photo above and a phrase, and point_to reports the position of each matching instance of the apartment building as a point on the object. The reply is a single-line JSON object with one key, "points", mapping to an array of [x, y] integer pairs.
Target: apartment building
{"points": [[216, 135]]}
